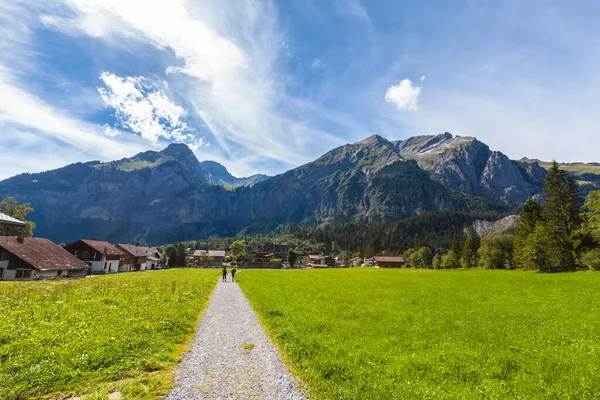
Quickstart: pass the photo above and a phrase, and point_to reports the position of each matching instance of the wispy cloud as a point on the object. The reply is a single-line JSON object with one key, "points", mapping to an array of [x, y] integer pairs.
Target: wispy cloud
{"points": [[228, 56], [146, 109]]}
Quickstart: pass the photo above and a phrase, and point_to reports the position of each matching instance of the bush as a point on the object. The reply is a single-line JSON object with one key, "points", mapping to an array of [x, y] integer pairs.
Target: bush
{"points": [[591, 259]]}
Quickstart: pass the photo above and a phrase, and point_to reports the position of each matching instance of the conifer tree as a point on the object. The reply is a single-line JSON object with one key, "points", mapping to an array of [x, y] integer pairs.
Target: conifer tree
{"points": [[468, 258], [530, 217], [562, 217]]}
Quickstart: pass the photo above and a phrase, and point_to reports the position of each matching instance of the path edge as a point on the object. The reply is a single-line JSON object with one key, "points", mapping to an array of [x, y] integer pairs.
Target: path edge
{"points": [[283, 357]]}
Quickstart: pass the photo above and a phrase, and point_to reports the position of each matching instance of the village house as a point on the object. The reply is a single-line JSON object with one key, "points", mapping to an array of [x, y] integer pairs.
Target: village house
{"points": [[154, 260], [267, 253], [321, 261], [100, 256], [389, 262], [208, 258], [136, 258], [36, 258]]}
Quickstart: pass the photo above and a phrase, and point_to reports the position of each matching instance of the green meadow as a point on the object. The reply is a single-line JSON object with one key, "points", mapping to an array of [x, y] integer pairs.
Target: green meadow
{"points": [[430, 334], [99, 335]]}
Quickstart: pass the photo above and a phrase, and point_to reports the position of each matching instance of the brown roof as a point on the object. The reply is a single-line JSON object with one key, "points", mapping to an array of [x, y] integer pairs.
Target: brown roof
{"points": [[137, 251], [270, 248], [103, 247], [388, 259], [42, 254]]}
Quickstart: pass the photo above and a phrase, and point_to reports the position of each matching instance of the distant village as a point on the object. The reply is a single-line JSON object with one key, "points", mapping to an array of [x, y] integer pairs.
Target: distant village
{"points": [[26, 258]]}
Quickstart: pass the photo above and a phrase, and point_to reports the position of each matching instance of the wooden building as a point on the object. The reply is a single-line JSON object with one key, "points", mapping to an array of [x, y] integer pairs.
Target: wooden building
{"points": [[36, 258], [389, 262], [100, 256]]}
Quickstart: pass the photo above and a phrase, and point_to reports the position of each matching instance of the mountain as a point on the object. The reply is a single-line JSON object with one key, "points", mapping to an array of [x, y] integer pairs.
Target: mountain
{"points": [[218, 175], [158, 197], [466, 164]]}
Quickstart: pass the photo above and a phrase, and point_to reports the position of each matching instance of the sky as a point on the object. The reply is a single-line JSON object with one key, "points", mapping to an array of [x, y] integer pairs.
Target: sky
{"points": [[264, 86]]}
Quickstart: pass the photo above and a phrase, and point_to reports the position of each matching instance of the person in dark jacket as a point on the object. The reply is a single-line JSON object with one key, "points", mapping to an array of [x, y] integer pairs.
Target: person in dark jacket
{"points": [[224, 274], [233, 271]]}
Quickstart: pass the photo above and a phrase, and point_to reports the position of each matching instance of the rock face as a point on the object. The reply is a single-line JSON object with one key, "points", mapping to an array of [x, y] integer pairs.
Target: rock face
{"points": [[158, 197], [468, 165], [506, 225], [216, 174]]}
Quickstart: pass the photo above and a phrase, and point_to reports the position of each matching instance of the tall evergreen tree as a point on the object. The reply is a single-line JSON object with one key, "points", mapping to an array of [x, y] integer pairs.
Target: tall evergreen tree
{"points": [[468, 258], [530, 217], [562, 217]]}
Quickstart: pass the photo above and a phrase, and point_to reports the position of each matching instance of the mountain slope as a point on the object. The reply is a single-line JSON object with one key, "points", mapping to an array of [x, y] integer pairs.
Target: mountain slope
{"points": [[466, 164], [218, 175], [158, 197]]}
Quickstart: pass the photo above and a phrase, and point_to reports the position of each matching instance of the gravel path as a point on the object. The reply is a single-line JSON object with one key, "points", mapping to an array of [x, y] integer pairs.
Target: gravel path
{"points": [[219, 367]]}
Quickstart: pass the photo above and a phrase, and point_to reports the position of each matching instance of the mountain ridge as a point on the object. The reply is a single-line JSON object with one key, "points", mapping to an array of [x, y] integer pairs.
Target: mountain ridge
{"points": [[169, 195]]}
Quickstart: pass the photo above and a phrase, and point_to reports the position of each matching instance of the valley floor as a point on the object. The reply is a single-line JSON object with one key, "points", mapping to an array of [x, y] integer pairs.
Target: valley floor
{"points": [[360, 333], [416, 334]]}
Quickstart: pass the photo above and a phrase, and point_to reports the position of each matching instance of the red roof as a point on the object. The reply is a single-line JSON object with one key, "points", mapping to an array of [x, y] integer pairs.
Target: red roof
{"points": [[104, 247], [42, 254]]}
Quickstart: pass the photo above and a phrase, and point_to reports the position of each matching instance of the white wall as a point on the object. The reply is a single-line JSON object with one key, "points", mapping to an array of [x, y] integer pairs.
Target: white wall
{"points": [[9, 275]]}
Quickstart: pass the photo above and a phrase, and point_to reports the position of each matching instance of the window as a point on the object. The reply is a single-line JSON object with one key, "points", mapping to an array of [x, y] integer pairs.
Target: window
{"points": [[1, 272], [105, 265], [4, 255], [23, 274]]}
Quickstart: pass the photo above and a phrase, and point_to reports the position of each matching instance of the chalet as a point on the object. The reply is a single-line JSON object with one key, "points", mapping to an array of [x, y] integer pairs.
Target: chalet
{"points": [[155, 259], [266, 254], [100, 256], [321, 261], [135, 258], [208, 258], [389, 262], [35, 258]]}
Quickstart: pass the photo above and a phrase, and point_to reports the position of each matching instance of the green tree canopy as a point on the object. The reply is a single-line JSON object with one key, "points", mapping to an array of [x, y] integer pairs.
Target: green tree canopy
{"points": [[237, 251], [496, 252], [11, 207], [292, 257]]}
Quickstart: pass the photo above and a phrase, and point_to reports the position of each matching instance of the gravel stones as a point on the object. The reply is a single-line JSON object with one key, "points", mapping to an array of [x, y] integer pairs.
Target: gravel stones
{"points": [[231, 357]]}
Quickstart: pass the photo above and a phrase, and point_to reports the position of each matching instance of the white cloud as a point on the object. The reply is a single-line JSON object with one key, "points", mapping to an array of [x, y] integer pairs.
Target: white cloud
{"points": [[227, 60], [404, 95], [146, 110], [40, 136]]}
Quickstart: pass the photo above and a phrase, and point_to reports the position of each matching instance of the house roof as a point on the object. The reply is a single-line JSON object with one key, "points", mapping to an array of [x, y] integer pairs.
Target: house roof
{"points": [[103, 247], [7, 219], [42, 254], [270, 248], [388, 259], [209, 253], [137, 251]]}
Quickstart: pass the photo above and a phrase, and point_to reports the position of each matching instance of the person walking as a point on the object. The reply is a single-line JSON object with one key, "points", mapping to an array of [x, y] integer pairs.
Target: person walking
{"points": [[233, 271], [224, 274]]}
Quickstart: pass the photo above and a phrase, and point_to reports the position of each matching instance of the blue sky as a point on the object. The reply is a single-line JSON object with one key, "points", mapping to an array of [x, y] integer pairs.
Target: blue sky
{"points": [[265, 86]]}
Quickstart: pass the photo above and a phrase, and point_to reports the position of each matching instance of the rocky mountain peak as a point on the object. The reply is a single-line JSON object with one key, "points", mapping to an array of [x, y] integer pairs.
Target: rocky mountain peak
{"points": [[179, 151], [373, 139]]}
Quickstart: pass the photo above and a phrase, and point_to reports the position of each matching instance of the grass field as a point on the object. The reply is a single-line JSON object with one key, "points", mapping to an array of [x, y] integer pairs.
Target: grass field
{"points": [[98, 335], [459, 334]]}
